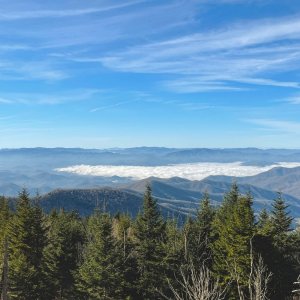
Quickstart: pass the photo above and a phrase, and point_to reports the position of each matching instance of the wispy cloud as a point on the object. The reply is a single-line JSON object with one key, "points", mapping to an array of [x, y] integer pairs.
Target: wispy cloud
{"points": [[293, 99], [34, 70], [48, 99], [105, 107], [240, 53], [277, 125], [60, 13]]}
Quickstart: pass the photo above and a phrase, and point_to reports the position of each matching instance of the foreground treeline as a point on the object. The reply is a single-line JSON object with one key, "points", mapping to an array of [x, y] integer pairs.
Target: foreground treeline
{"points": [[222, 253]]}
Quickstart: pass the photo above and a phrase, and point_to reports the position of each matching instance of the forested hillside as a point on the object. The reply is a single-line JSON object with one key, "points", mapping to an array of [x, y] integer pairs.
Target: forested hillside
{"points": [[223, 252]]}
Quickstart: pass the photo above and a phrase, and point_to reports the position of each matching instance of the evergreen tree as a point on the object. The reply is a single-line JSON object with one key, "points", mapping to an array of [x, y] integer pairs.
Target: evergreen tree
{"points": [[5, 215], [101, 275], [65, 236], [282, 264], [174, 254], [123, 233], [150, 236], [201, 239], [281, 220], [234, 228], [26, 243]]}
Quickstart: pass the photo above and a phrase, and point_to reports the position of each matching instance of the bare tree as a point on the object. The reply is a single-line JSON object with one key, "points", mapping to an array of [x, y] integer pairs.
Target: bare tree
{"points": [[260, 279], [196, 284]]}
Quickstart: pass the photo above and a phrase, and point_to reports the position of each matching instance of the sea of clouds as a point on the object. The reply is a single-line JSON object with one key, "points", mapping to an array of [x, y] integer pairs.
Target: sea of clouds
{"points": [[192, 171]]}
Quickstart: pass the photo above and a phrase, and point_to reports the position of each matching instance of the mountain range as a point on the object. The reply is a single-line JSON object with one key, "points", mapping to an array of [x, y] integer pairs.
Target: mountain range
{"points": [[35, 169]]}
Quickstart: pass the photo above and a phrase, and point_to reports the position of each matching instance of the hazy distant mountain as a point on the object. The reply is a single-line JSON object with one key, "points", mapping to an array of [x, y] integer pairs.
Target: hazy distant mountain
{"points": [[190, 192], [176, 197], [35, 170], [286, 180], [46, 158]]}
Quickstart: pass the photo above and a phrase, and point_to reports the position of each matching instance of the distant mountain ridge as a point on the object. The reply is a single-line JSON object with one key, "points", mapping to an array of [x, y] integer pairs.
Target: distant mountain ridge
{"points": [[286, 180], [142, 156], [35, 169], [176, 196]]}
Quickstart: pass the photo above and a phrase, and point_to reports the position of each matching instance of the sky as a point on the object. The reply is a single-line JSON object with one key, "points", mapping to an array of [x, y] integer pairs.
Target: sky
{"points": [[193, 73]]}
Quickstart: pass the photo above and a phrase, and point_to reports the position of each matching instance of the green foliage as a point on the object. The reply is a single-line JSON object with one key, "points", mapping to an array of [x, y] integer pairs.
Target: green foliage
{"points": [[174, 253], [61, 255], [201, 237], [281, 220], [5, 215], [150, 236], [26, 243], [64, 256], [234, 230], [264, 224], [123, 232], [101, 275]]}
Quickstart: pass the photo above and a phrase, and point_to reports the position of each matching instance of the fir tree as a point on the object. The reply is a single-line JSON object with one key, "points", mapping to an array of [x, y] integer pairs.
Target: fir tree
{"points": [[202, 238], [281, 220], [234, 228], [150, 236], [264, 224], [5, 215], [101, 275], [26, 243], [174, 254], [282, 264], [65, 236], [123, 233]]}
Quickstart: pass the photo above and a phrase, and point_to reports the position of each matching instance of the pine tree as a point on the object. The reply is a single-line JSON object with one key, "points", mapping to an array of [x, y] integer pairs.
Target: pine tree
{"points": [[234, 229], [174, 254], [264, 224], [150, 236], [65, 237], [5, 215], [201, 242], [280, 219], [26, 243], [282, 264], [123, 233], [101, 275]]}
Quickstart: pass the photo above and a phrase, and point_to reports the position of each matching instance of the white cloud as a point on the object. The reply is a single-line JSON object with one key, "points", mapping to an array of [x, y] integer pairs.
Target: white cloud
{"points": [[293, 100], [60, 13], [194, 171], [278, 125], [213, 60], [50, 98]]}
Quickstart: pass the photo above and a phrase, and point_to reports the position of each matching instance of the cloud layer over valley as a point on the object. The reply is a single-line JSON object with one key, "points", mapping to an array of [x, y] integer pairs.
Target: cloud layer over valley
{"points": [[192, 171]]}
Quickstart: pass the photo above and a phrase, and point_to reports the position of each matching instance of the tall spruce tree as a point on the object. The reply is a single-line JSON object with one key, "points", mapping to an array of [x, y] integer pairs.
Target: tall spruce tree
{"points": [[201, 237], [5, 215], [283, 264], [174, 254], [234, 228], [26, 243], [281, 220], [264, 223], [123, 233], [101, 275], [150, 236], [61, 255]]}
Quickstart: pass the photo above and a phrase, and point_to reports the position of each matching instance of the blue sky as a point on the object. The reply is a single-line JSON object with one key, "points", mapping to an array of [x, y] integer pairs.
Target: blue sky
{"points": [[100, 74]]}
